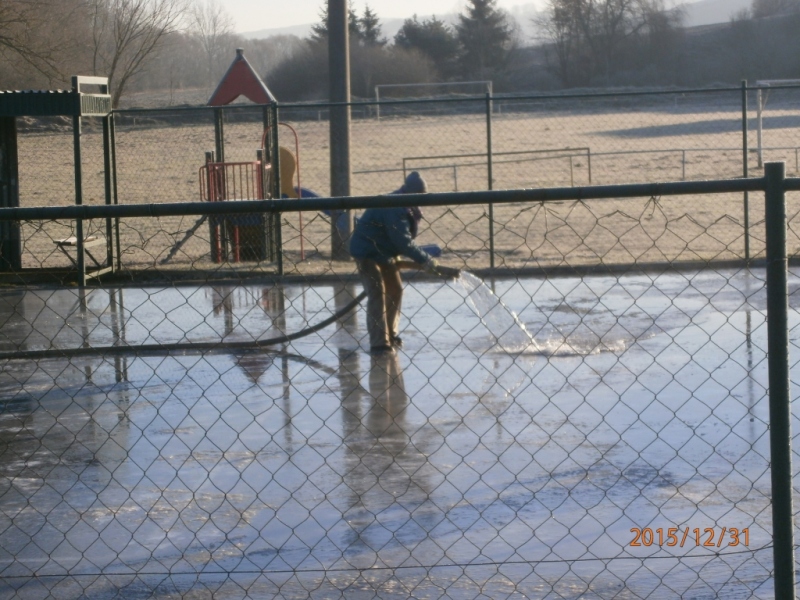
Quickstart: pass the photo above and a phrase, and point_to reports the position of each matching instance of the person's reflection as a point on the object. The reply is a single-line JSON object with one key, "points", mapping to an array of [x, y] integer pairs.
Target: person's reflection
{"points": [[343, 294], [380, 410], [347, 330], [378, 455], [386, 416], [352, 394]]}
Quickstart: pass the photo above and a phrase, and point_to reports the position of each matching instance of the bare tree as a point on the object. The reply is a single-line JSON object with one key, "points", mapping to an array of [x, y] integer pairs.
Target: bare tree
{"points": [[770, 8], [606, 25], [267, 54], [128, 34], [559, 27], [590, 37], [213, 26], [41, 34]]}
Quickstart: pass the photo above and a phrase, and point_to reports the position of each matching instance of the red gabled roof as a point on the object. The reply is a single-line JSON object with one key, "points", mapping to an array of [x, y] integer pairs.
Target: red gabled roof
{"points": [[241, 80]]}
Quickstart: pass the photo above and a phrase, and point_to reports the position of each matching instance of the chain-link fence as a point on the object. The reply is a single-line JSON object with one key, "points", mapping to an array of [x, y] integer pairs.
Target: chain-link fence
{"points": [[456, 144], [169, 440]]}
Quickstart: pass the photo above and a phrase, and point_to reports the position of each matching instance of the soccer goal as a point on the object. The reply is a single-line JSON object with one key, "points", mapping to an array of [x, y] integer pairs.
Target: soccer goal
{"points": [[764, 87], [449, 89]]}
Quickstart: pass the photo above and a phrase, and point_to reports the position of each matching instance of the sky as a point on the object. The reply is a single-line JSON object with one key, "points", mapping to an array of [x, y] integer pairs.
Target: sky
{"points": [[251, 15]]}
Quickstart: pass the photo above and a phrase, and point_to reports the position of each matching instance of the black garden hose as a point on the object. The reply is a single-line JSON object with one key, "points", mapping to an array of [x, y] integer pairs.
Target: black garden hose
{"points": [[179, 346]]}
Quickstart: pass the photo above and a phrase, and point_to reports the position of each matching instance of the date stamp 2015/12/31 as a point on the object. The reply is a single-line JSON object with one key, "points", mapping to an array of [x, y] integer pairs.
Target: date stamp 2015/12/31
{"points": [[710, 537]]}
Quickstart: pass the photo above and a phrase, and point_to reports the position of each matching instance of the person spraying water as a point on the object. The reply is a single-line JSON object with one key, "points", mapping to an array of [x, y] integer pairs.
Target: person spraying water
{"points": [[380, 237]]}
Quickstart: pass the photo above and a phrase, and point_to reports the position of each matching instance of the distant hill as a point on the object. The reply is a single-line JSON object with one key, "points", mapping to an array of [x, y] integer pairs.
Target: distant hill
{"points": [[708, 12], [298, 30], [389, 27]]}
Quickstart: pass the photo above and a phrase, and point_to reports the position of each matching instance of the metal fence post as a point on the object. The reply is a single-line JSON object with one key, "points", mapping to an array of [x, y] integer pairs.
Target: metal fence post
{"points": [[115, 188], [219, 134], [76, 149], [274, 156], [779, 387], [108, 175], [490, 175], [589, 163], [683, 165], [745, 172], [760, 124], [10, 241]]}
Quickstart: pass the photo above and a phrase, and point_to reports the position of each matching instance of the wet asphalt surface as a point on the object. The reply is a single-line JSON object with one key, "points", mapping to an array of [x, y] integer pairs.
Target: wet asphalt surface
{"points": [[452, 469]]}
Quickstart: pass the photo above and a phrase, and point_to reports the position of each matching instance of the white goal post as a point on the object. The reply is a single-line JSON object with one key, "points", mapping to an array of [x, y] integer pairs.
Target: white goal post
{"points": [[764, 86], [441, 87]]}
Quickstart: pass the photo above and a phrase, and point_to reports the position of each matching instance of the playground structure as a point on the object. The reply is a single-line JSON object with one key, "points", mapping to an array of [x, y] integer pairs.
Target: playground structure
{"points": [[93, 251], [246, 237], [242, 237], [256, 236], [74, 103], [235, 237]]}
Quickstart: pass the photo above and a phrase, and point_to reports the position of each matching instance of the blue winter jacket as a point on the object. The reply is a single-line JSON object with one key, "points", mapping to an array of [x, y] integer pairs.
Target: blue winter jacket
{"points": [[381, 234]]}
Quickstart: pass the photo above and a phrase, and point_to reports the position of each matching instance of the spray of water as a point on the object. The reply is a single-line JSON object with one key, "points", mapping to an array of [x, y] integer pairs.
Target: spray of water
{"points": [[510, 334], [502, 322]]}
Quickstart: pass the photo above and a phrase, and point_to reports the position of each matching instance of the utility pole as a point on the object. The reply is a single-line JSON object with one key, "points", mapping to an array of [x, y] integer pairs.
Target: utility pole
{"points": [[339, 67]]}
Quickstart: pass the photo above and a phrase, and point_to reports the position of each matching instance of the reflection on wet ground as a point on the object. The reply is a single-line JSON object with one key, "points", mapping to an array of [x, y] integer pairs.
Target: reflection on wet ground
{"points": [[452, 468]]}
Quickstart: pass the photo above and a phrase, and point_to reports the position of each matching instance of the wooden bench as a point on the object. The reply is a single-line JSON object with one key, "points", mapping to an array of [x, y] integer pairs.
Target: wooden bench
{"points": [[67, 244]]}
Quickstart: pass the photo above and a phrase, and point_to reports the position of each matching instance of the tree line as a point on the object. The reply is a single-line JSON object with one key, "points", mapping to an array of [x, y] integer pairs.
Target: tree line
{"points": [[596, 43], [423, 51], [179, 44]]}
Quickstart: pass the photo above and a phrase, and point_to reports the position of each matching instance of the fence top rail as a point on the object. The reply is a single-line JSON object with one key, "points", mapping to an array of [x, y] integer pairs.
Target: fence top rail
{"points": [[477, 98], [524, 96], [596, 192], [432, 84], [480, 154], [470, 164]]}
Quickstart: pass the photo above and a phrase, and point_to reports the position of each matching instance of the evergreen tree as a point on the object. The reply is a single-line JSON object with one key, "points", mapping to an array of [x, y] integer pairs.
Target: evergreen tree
{"points": [[432, 38], [485, 37], [370, 29], [354, 26], [319, 31]]}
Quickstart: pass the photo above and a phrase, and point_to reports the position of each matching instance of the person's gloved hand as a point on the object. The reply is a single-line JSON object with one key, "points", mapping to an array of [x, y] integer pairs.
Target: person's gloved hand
{"points": [[433, 267]]}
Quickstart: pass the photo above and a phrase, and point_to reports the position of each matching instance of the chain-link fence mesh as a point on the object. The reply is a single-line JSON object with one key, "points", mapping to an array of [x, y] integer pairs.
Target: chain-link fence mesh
{"points": [[567, 234], [534, 142], [623, 452], [154, 446]]}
